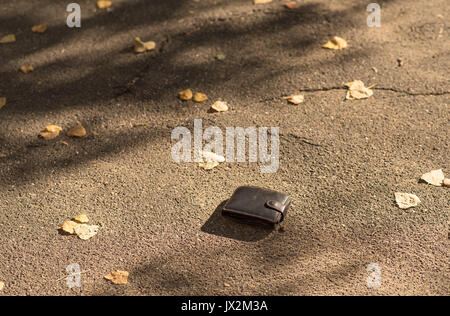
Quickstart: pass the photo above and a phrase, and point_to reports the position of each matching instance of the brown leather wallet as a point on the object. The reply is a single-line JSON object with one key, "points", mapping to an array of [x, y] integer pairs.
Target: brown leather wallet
{"points": [[257, 205]]}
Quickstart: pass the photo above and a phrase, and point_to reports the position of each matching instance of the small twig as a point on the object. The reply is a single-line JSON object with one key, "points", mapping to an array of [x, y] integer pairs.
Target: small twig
{"points": [[73, 274], [304, 140]]}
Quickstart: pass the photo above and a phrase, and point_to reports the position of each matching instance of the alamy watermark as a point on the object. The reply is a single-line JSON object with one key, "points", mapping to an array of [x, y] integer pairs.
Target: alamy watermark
{"points": [[190, 147], [374, 279], [374, 18], [74, 18], [74, 278]]}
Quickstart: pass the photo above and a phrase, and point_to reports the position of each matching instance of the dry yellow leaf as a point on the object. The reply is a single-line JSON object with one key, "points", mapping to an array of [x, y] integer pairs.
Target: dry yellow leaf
{"points": [[2, 286], [292, 5], [11, 38], [357, 90], [406, 200], [336, 43], [141, 47], [69, 227], [2, 102], [185, 95], [200, 97], [81, 218], [261, 1], [39, 28], [26, 69], [150, 45], [219, 106], [118, 277], [78, 131], [48, 135], [102, 4], [435, 177], [210, 156], [53, 128], [85, 232], [295, 99], [209, 165], [50, 132]]}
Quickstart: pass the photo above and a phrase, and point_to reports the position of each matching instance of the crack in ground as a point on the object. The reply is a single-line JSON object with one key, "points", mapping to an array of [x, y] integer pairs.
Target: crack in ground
{"points": [[302, 139], [232, 16], [162, 48], [432, 93], [324, 89], [412, 93]]}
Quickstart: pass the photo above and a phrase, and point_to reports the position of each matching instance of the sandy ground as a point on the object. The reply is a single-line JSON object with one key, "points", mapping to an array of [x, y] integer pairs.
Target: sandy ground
{"points": [[340, 161]]}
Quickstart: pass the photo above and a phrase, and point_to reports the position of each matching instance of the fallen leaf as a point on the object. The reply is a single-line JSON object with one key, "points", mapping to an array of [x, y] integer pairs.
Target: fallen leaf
{"points": [[209, 165], [219, 106], [406, 200], [53, 128], [2, 286], [2, 102], [118, 277], [221, 57], [81, 218], [102, 4], [210, 156], [65, 143], [48, 135], [336, 43], [185, 95], [357, 90], [141, 47], [78, 131], [292, 5], [446, 183], [210, 160], [39, 28], [69, 227], [50, 132], [261, 1], [226, 284], [435, 177], [85, 232], [11, 38], [295, 99], [200, 97], [26, 69]]}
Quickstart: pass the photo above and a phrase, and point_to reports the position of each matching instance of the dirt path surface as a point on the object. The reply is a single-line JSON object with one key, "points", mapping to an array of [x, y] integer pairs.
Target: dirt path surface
{"points": [[340, 161]]}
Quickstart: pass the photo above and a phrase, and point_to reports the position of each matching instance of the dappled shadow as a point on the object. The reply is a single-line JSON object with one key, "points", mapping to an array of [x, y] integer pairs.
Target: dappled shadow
{"points": [[103, 71], [296, 263], [100, 77], [24, 169], [181, 270]]}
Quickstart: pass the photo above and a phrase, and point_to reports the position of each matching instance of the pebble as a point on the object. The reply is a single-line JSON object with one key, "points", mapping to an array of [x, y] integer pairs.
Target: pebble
{"points": [[446, 183]]}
